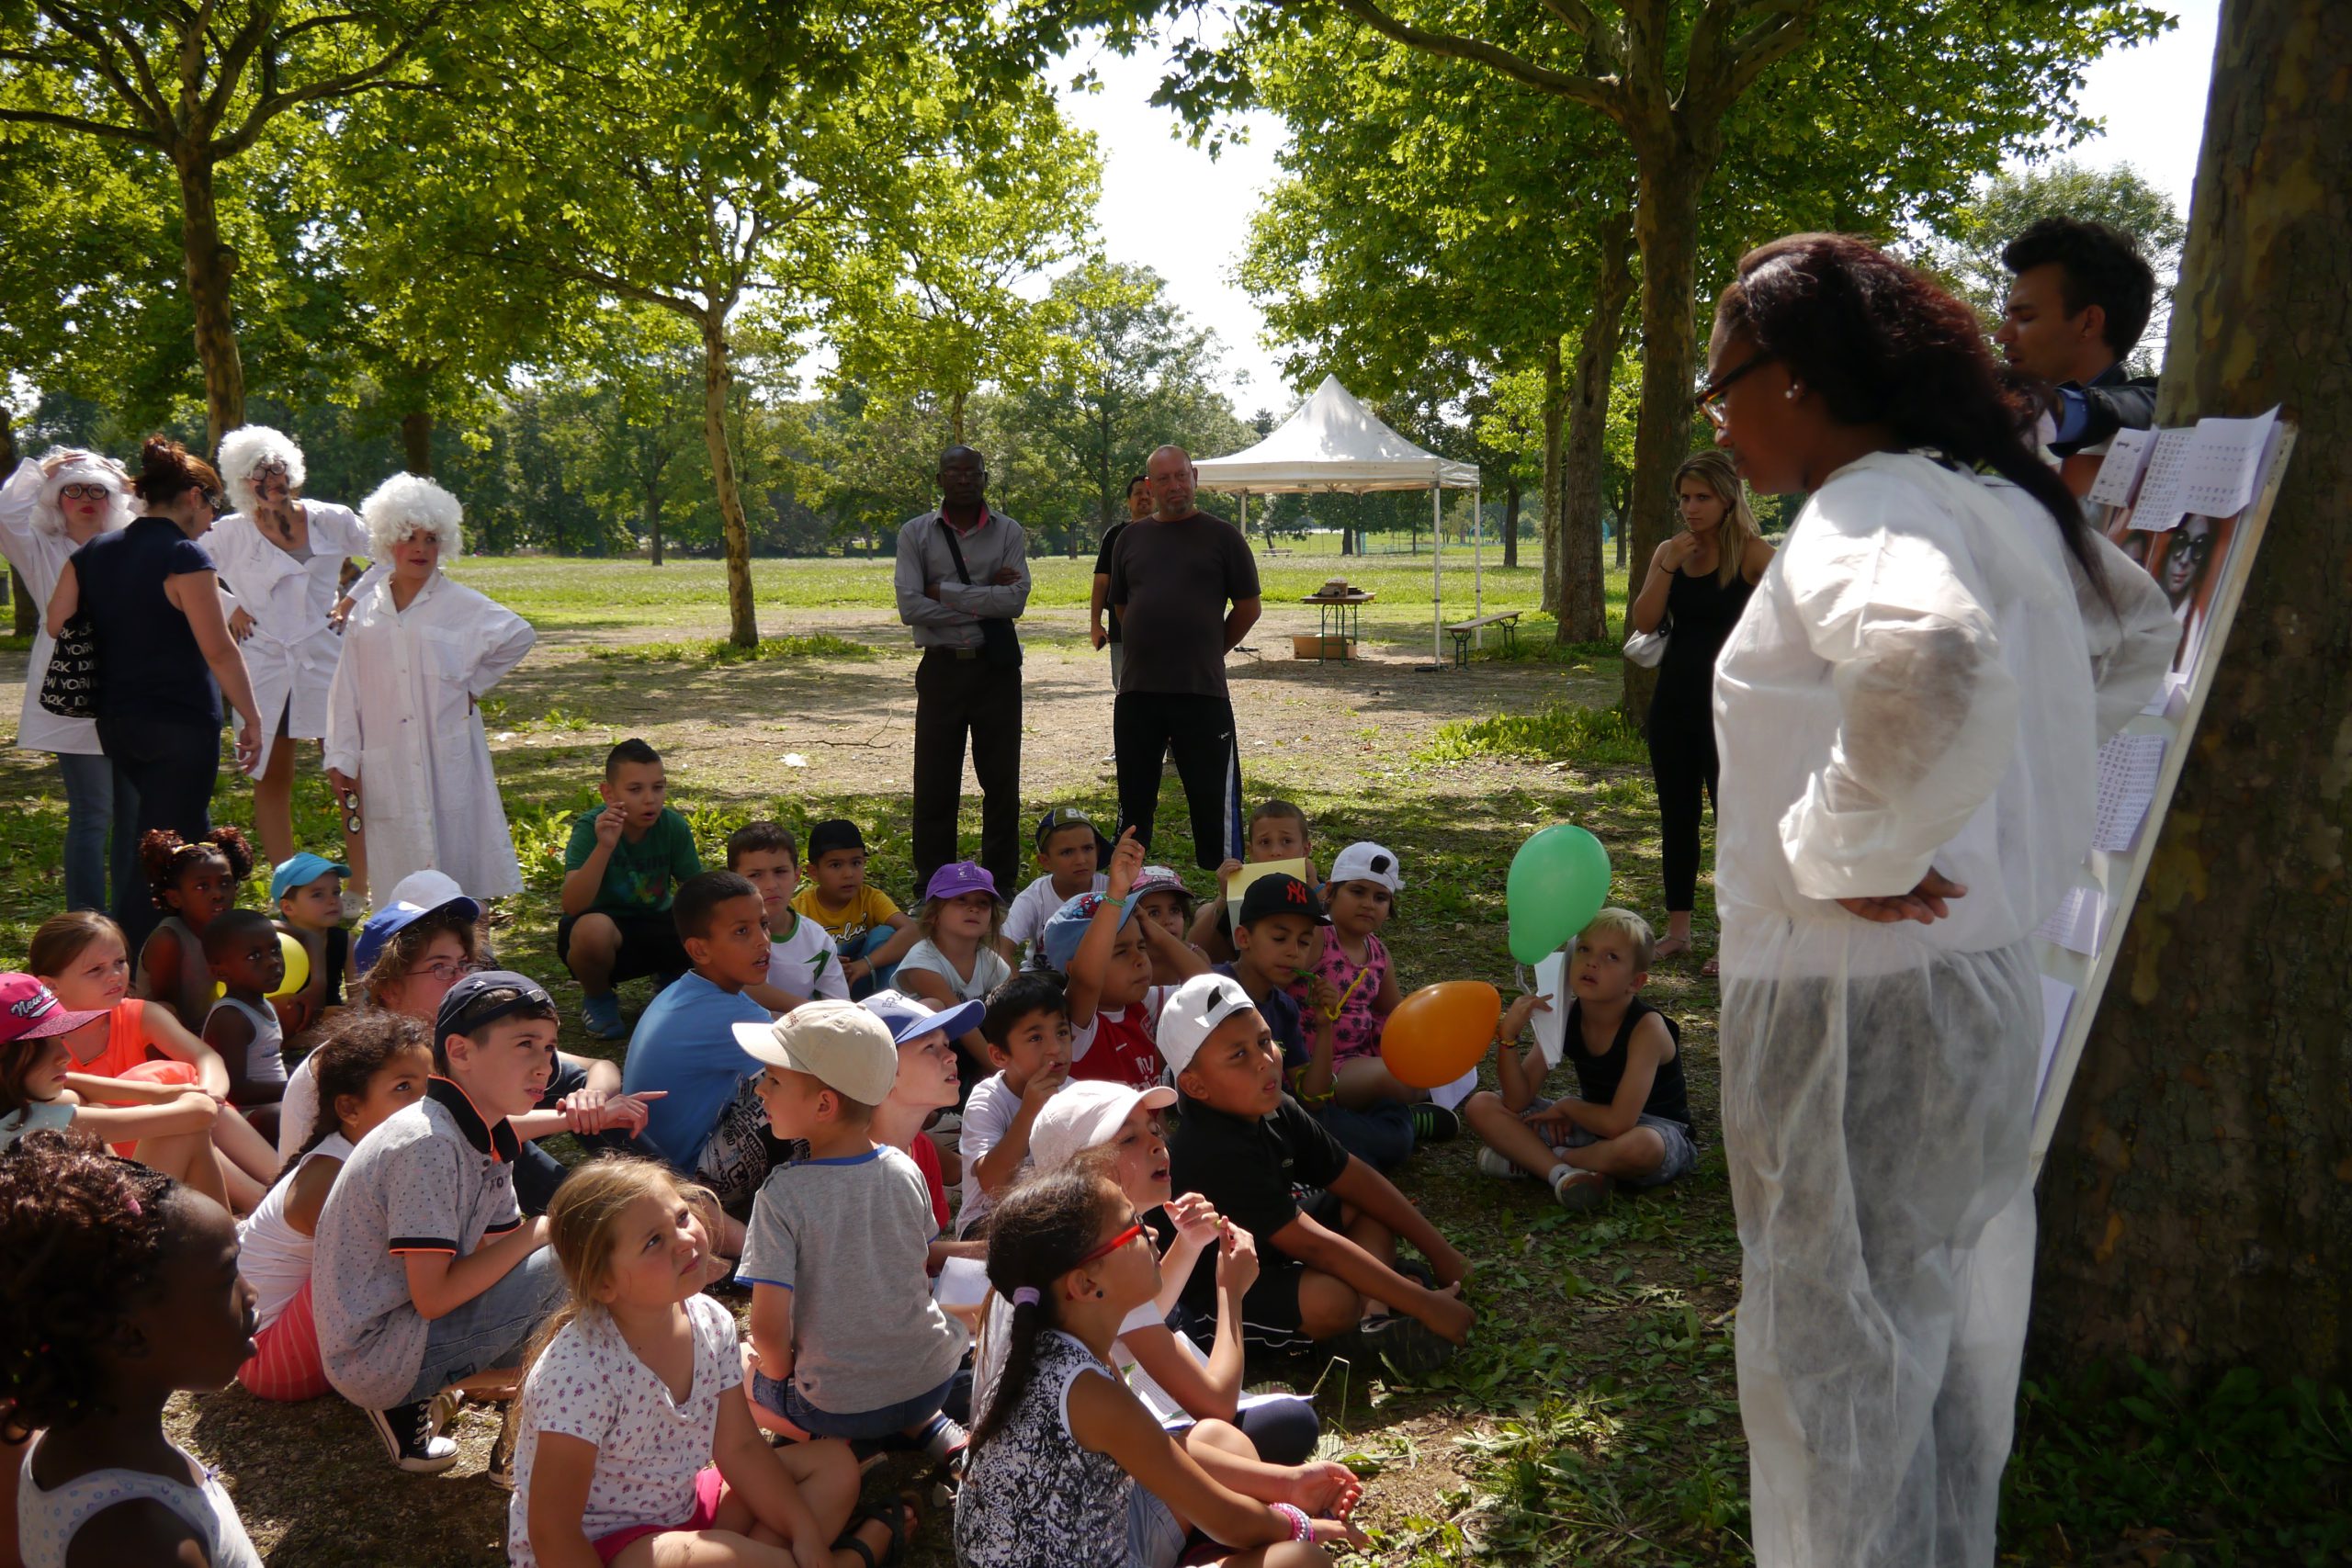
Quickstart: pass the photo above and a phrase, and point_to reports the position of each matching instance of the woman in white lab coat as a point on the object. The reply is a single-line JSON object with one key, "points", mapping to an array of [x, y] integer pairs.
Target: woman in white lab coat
{"points": [[1908, 715], [282, 553], [403, 730], [47, 509]]}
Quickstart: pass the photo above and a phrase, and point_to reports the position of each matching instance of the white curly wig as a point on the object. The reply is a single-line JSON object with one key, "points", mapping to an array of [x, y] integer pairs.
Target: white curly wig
{"points": [[63, 465], [248, 448], [410, 503]]}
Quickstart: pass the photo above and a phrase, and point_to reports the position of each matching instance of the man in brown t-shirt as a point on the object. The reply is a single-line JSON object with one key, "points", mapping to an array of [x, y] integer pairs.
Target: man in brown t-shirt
{"points": [[1185, 589]]}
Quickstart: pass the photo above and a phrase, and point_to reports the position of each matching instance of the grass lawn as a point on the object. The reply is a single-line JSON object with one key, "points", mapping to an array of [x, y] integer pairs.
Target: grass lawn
{"points": [[1594, 1418]]}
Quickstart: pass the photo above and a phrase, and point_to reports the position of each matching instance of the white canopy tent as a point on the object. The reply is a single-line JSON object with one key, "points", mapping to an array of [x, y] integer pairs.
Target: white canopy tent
{"points": [[1332, 443]]}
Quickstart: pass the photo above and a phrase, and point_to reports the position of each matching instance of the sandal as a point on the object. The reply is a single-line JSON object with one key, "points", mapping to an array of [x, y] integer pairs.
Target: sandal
{"points": [[1712, 968], [1670, 947], [899, 1518]]}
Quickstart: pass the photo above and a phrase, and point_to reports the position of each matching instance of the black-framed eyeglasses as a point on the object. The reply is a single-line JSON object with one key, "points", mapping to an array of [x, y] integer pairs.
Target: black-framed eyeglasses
{"points": [[1709, 400]]}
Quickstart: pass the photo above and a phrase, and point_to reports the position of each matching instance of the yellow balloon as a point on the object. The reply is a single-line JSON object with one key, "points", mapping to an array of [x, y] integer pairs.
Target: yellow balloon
{"points": [[297, 966], [1441, 1032]]}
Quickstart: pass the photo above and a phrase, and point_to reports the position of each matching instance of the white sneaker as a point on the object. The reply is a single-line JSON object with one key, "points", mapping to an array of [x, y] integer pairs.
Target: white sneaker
{"points": [[1494, 1163], [1581, 1191]]}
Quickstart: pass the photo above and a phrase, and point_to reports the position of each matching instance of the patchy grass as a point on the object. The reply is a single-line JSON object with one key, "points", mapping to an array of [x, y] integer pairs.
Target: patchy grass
{"points": [[1590, 737], [719, 651]]}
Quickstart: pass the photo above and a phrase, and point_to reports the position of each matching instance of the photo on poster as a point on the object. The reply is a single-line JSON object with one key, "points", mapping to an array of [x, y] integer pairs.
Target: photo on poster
{"points": [[2187, 562]]}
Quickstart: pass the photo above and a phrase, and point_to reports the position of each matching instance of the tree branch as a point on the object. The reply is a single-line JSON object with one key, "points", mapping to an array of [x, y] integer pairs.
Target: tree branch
{"points": [[350, 84], [231, 68], [1574, 15], [88, 127], [1600, 93], [93, 35], [1768, 43]]}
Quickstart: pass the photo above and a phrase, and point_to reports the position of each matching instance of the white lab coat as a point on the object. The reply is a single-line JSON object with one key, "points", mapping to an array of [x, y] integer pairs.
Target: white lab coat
{"points": [[402, 719], [1912, 686], [40, 557], [291, 657]]}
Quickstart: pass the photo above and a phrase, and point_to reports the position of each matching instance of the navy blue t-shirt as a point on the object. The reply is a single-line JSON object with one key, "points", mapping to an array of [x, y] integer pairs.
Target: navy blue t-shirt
{"points": [[1284, 1020], [149, 663]]}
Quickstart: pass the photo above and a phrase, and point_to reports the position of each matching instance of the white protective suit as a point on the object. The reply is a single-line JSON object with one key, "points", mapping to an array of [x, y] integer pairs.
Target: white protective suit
{"points": [[1912, 686], [291, 657], [402, 720], [40, 557]]}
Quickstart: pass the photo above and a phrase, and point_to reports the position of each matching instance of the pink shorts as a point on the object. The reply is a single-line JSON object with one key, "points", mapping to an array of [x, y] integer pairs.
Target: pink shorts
{"points": [[285, 1363], [708, 1489]]}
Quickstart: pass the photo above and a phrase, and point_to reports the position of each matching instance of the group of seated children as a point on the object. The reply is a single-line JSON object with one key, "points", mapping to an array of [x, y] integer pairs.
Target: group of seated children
{"points": [[1163, 1162]]}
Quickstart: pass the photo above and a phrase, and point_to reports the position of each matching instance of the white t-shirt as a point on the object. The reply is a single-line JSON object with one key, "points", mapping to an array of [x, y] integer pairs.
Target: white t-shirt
{"points": [[806, 963], [1035, 903], [274, 1258], [988, 1116], [989, 970], [298, 1110], [589, 1384]]}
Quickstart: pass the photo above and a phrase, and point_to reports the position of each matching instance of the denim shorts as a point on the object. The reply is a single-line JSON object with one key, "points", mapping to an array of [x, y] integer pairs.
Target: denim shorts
{"points": [[1156, 1538], [784, 1399], [490, 1330], [1681, 1149]]}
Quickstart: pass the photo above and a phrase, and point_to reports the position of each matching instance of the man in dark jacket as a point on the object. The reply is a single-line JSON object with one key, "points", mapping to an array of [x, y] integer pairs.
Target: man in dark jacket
{"points": [[2078, 303]]}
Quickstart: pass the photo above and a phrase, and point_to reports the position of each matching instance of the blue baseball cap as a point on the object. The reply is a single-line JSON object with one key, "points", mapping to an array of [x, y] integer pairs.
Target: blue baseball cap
{"points": [[393, 918], [1066, 927], [300, 870], [908, 1018]]}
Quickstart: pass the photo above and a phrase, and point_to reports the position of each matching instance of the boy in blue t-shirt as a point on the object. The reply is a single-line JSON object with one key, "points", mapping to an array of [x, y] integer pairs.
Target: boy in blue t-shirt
{"points": [[620, 870]]}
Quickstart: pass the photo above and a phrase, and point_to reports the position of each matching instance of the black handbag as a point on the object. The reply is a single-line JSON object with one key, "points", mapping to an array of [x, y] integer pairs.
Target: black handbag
{"points": [[999, 642], [69, 687]]}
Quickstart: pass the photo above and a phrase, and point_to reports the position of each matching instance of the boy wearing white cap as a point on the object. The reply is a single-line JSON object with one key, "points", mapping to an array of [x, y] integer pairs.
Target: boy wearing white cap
{"points": [[846, 1338], [1329, 1265]]}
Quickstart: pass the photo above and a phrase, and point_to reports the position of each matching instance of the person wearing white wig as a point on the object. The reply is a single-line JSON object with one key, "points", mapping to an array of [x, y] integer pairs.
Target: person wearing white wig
{"points": [[47, 509], [419, 650], [282, 553]]}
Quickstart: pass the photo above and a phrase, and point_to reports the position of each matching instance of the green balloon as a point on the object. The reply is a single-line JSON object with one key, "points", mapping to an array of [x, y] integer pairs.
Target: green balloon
{"points": [[1559, 880]]}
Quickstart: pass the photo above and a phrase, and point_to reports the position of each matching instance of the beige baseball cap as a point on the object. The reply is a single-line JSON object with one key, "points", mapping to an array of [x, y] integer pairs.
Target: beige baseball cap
{"points": [[840, 1045]]}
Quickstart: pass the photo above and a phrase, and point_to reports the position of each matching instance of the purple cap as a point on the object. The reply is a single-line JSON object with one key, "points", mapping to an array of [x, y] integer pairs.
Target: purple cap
{"points": [[958, 878]]}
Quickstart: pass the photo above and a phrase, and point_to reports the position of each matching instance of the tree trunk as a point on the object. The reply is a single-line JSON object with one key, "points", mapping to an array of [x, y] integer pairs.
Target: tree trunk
{"points": [[1584, 616], [956, 418], [27, 613], [1511, 524], [1623, 501], [2197, 1204], [1665, 225], [1555, 406], [742, 622], [416, 441], [211, 265], [654, 519]]}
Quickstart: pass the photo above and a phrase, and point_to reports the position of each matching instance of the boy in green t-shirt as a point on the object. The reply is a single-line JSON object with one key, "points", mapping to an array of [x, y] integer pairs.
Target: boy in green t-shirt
{"points": [[620, 871]]}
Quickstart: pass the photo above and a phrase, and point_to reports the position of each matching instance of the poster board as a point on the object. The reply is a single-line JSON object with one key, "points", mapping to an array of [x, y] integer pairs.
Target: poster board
{"points": [[2204, 561]]}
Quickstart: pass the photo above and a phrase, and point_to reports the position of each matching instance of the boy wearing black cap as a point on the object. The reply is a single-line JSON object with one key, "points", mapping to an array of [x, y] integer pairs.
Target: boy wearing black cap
{"points": [[426, 1275], [870, 931], [1071, 852]]}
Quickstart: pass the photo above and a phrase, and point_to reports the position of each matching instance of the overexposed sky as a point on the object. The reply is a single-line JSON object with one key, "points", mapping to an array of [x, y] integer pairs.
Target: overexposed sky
{"points": [[1173, 207]]}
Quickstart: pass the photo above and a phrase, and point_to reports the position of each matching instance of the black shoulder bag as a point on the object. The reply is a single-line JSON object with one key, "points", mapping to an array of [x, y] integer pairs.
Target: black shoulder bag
{"points": [[999, 643]]}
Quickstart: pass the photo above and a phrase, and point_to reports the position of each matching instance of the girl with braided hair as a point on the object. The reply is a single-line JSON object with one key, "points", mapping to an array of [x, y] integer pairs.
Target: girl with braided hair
{"points": [[193, 882], [123, 1290]]}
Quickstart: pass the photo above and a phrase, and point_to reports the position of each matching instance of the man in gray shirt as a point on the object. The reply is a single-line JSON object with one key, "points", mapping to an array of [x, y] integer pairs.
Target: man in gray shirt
{"points": [[962, 580]]}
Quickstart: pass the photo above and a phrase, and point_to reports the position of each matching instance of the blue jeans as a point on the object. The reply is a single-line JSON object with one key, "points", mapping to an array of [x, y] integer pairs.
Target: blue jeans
{"points": [[784, 1399], [99, 797], [1380, 1135], [863, 946], [490, 1330]]}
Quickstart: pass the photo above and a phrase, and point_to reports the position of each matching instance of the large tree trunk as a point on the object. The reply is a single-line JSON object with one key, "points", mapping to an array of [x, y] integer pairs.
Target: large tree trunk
{"points": [[653, 518], [1510, 522], [2197, 1205], [1665, 225], [1556, 400], [416, 441], [1584, 616], [26, 612], [742, 623], [211, 265]]}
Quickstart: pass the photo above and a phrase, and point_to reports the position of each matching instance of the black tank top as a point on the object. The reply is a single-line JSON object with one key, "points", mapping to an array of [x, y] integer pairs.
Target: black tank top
{"points": [[1598, 1076], [1700, 613]]}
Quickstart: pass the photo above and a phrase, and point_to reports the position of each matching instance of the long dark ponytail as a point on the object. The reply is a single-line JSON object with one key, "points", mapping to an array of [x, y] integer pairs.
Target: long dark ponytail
{"points": [[1880, 344], [348, 1063], [1042, 1229]]}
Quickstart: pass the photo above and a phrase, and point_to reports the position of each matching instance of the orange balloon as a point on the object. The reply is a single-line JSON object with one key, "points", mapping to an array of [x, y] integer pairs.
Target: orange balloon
{"points": [[1441, 1032]]}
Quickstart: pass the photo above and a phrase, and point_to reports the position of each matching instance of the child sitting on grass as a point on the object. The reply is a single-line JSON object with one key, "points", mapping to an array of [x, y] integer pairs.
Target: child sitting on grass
{"points": [[1162, 898], [308, 891], [623, 862], [376, 1064], [425, 1274], [871, 932], [803, 964], [847, 1340], [243, 1028], [1071, 852], [194, 885], [927, 1082], [1277, 831], [1027, 1030], [1068, 1466], [956, 960], [1629, 1118], [633, 1439], [1106, 955], [167, 1126], [1329, 1263], [91, 1368], [709, 1125]]}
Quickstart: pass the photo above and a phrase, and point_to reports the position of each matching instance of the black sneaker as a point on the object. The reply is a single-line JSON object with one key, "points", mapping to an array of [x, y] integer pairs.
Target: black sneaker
{"points": [[1433, 1123], [1406, 1345], [409, 1432]]}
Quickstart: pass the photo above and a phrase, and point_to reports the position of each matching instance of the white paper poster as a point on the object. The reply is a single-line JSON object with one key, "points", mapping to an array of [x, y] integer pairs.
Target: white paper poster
{"points": [[2057, 1002], [2224, 462], [2075, 923], [2127, 787], [2118, 475], [2162, 502], [1453, 1094], [1552, 1027]]}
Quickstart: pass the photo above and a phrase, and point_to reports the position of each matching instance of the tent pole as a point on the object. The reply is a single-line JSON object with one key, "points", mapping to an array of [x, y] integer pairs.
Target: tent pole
{"points": [[1478, 553], [1437, 575]]}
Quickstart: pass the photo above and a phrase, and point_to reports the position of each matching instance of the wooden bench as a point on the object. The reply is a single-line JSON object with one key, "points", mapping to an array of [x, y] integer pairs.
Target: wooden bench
{"points": [[1463, 631]]}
